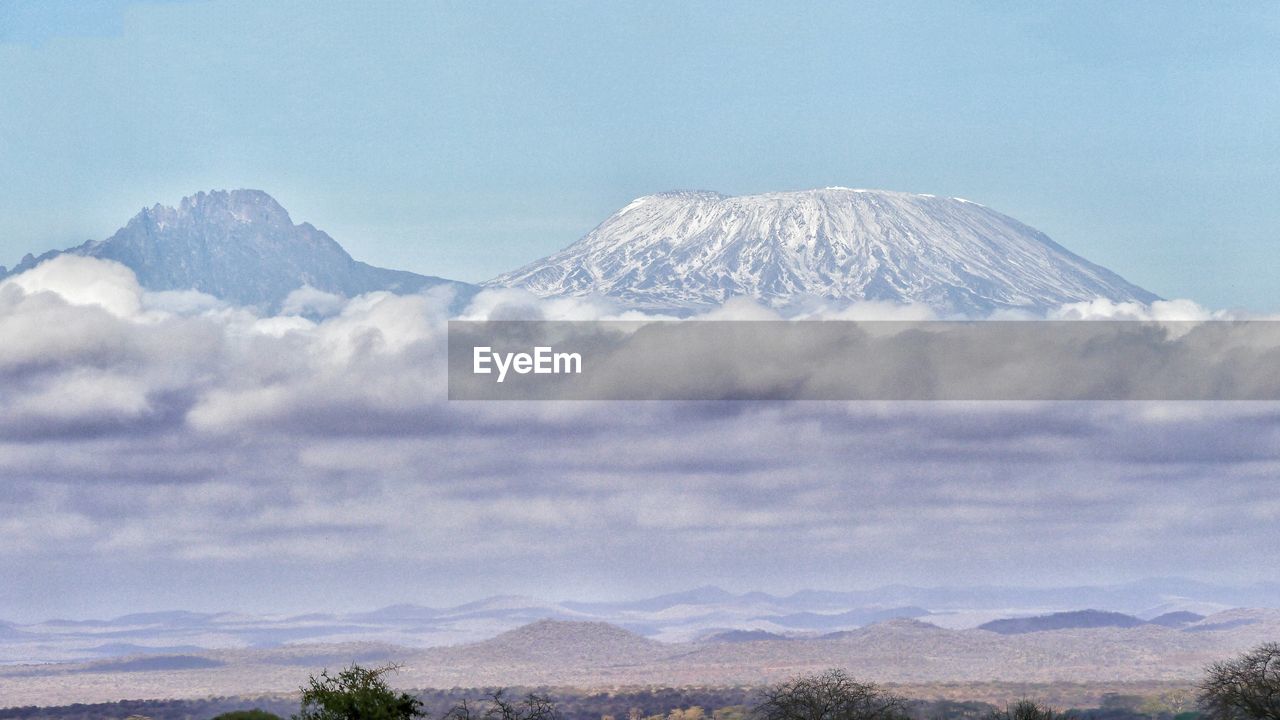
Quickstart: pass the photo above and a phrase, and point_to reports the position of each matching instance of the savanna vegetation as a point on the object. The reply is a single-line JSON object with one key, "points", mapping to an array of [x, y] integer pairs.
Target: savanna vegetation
{"points": [[1244, 688]]}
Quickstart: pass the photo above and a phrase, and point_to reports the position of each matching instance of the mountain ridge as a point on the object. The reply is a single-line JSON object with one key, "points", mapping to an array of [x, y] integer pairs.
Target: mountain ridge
{"points": [[670, 617], [1071, 620], [599, 655], [239, 246], [676, 252]]}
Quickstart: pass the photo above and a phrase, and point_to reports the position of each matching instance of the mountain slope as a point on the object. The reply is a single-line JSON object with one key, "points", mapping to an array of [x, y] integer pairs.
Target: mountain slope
{"points": [[1177, 619], [583, 643], [603, 656], [689, 250], [849, 618], [1076, 619], [240, 246]]}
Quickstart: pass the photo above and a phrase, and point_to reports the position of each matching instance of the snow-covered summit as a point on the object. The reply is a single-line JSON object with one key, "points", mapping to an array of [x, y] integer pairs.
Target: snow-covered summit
{"points": [[692, 249]]}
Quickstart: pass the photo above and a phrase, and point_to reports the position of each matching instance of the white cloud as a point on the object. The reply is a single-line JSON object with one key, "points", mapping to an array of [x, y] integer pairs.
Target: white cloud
{"points": [[85, 281], [187, 434], [180, 302], [1158, 311], [307, 300], [79, 393]]}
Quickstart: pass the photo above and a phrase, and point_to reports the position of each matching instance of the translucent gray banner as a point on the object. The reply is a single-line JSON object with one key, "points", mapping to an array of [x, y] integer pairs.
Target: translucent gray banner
{"points": [[848, 360]]}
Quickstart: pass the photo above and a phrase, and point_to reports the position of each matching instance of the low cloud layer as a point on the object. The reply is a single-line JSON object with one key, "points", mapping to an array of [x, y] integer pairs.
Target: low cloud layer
{"points": [[879, 360], [164, 449]]}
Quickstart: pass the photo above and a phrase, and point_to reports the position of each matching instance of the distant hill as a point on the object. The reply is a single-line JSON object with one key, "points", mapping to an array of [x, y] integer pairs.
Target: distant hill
{"points": [[1220, 626], [896, 627], [154, 663], [673, 617], [1179, 618], [850, 618], [739, 636], [706, 595], [1077, 619], [242, 247], [562, 641], [601, 656], [118, 649]]}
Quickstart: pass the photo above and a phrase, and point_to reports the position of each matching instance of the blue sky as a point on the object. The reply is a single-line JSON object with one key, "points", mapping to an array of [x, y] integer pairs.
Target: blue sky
{"points": [[464, 139]]}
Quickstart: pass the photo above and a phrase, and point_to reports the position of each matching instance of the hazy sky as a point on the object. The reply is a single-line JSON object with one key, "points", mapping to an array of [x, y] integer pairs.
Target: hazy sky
{"points": [[464, 139]]}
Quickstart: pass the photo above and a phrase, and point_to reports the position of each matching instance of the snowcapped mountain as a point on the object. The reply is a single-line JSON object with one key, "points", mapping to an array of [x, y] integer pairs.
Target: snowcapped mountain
{"points": [[689, 250], [679, 251], [240, 246]]}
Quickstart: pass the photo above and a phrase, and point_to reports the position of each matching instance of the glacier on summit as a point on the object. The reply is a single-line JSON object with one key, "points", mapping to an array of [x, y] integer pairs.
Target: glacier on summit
{"points": [[691, 250]]}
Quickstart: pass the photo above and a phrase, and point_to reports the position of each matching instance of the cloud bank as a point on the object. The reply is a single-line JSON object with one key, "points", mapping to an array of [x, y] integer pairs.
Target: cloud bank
{"points": [[164, 449]]}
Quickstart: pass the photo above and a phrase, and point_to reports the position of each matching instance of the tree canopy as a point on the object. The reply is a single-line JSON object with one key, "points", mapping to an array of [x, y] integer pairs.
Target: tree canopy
{"points": [[831, 695], [1024, 710], [356, 693], [1246, 688], [254, 714], [499, 707]]}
